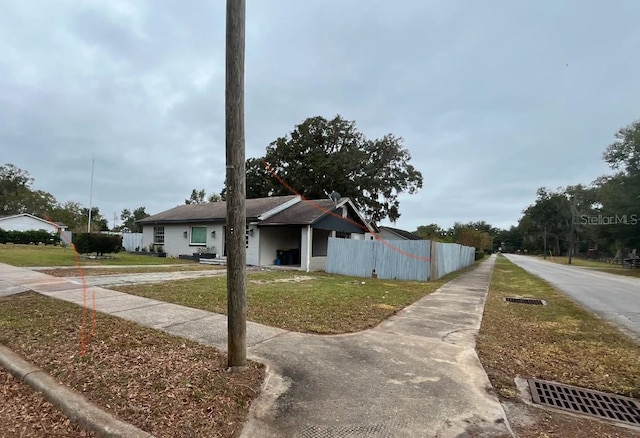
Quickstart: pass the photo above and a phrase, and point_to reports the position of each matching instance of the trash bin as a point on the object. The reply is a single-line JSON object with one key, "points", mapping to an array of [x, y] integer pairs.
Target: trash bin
{"points": [[281, 255], [294, 256]]}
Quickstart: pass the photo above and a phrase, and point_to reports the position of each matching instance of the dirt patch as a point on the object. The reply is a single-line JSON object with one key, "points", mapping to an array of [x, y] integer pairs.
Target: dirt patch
{"points": [[385, 306], [90, 272], [294, 279]]}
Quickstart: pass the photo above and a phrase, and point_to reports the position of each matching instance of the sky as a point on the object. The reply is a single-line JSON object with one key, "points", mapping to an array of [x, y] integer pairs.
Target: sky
{"points": [[493, 99]]}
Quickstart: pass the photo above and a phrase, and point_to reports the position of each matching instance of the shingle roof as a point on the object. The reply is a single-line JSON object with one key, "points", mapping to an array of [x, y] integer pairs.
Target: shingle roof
{"points": [[214, 211], [402, 233], [60, 224], [303, 213]]}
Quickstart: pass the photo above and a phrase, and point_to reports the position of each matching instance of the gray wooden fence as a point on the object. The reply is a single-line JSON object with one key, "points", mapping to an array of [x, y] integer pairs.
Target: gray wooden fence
{"points": [[449, 257], [397, 259], [416, 260]]}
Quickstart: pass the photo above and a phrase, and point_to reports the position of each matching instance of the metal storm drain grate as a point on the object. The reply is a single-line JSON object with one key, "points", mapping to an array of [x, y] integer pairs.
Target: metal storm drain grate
{"points": [[584, 401], [525, 301], [375, 430]]}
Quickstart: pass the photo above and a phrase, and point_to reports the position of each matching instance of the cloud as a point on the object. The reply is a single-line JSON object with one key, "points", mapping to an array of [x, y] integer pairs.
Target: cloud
{"points": [[493, 99]]}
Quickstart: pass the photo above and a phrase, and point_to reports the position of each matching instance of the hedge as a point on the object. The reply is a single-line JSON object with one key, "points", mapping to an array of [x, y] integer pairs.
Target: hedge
{"points": [[101, 244], [29, 237]]}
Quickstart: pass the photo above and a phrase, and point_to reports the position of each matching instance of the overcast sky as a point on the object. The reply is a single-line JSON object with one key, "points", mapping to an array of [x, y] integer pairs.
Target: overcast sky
{"points": [[493, 99]]}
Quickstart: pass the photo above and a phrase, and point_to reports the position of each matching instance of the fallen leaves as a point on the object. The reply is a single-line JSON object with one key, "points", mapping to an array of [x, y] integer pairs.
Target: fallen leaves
{"points": [[162, 384], [559, 342]]}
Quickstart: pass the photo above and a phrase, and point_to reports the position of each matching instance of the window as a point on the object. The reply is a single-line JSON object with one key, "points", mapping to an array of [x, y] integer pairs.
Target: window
{"points": [[198, 236], [343, 235], [158, 235]]}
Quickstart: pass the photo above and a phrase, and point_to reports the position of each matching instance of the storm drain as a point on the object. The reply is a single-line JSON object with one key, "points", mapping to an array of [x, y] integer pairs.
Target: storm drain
{"points": [[375, 430], [584, 401], [525, 301]]}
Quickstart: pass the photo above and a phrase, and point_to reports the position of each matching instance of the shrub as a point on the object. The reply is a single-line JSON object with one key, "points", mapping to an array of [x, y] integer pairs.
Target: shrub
{"points": [[101, 244], [29, 237]]}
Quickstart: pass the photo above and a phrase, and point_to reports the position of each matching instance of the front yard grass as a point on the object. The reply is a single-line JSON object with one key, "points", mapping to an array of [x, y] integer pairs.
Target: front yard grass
{"points": [[49, 255], [561, 342], [302, 302], [167, 386]]}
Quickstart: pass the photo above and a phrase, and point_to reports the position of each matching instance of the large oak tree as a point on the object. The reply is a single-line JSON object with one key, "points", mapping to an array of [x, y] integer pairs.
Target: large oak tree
{"points": [[322, 156]]}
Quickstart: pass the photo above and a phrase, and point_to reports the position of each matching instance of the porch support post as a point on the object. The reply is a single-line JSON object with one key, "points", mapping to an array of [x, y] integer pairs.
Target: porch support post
{"points": [[309, 248]]}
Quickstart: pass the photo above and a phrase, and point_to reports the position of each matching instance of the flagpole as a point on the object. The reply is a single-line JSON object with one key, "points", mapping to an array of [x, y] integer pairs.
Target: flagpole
{"points": [[93, 162]]}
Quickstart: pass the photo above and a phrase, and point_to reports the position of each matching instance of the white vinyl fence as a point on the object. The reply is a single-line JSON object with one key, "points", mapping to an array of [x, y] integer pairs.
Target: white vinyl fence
{"points": [[66, 237], [416, 260], [130, 241]]}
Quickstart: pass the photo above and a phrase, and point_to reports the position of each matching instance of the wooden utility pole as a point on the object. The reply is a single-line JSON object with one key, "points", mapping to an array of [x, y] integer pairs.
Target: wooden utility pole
{"points": [[236, 187], [573, 220]]}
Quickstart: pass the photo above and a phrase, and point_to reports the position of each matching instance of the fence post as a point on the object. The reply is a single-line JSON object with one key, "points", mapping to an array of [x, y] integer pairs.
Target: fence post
{"points": [[433, 259]]}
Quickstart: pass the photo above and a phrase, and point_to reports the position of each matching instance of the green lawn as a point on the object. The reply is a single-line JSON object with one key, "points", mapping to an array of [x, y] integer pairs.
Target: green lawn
{"points": [[305, 302], [40, 255], [599, 266], [559, 341]]}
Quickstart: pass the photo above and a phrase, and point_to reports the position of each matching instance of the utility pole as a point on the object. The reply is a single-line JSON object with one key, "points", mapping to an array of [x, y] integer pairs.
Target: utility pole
{"points": [[236, 187], [573, 220]]}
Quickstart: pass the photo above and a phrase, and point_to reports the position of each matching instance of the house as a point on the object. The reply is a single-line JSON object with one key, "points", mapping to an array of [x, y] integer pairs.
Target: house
{"points": [[29, 222], [280, 229], [388, 233]]}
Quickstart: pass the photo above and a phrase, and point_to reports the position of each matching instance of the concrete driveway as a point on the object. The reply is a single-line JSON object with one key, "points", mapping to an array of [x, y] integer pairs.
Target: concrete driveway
{"points": [[615, 298]]}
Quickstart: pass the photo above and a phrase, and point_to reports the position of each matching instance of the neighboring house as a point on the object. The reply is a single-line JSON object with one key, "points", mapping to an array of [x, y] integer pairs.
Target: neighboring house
{"points": [[28, 222], [284, 228], [388, 233]]}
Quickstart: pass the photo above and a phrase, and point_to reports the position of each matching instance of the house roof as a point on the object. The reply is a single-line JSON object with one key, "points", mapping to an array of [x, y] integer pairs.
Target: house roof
{"points": [[402, 233], [216, 211], [304, 213], [275, 210], [59, 224], [308, 212]]}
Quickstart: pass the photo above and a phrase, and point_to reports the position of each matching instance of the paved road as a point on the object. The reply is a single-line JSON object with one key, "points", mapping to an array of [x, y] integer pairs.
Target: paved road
{"points": [[616, 298]]}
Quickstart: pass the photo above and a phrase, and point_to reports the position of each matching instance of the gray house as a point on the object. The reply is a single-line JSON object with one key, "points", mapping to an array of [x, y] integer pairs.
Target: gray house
{"points": [[280, 229]]}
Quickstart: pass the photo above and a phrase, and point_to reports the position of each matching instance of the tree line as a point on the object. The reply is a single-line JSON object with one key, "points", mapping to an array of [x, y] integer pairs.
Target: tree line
{"points": [[596, 219], [18, 195], [321, 156]]}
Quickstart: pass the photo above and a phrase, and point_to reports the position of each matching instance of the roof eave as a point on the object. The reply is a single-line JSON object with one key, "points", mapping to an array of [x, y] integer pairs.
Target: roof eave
{"points": [[186, 221]]}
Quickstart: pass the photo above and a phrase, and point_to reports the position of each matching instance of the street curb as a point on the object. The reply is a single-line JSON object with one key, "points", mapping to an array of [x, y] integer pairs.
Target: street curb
{"points": [[73, 404]]}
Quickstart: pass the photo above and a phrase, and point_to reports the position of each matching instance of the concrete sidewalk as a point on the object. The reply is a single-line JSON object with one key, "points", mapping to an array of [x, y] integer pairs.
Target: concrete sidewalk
{"points": [[415, 375]]}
